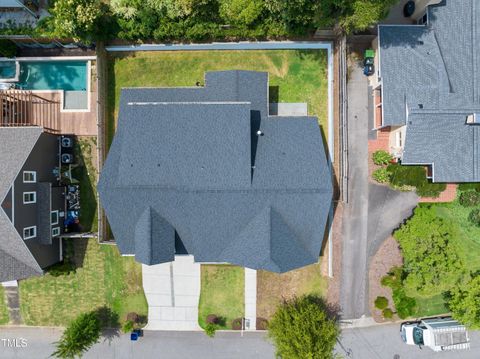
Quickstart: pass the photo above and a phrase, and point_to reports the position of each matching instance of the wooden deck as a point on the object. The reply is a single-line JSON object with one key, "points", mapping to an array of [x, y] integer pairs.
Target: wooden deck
{"points": [[33, 108]]}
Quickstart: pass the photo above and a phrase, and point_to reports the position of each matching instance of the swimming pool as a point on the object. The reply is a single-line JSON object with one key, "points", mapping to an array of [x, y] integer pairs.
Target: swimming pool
{"points": [[53, 75]]}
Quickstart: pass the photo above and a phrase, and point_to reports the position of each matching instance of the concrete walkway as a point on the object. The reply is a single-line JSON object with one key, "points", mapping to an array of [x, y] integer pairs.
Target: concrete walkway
{"points": [[13, 302], [251, 298], [172, 291]]}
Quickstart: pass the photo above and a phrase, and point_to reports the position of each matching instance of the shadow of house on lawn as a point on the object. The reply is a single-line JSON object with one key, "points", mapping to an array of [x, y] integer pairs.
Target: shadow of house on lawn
{"points": [[88, 199]]}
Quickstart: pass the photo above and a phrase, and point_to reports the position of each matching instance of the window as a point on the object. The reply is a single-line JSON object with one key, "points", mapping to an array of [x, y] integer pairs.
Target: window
{"points": [[55, 231], [398, 139], [54, 217], [29, 176], [29, 197], [29, 232]]}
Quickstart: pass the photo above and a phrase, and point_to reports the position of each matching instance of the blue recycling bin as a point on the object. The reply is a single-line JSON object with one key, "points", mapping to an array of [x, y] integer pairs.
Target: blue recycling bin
{"points": [[134, 336]]}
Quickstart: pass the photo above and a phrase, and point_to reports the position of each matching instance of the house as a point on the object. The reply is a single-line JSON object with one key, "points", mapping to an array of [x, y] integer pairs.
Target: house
{"points": [[427, 92], [20, 13], [207, 171], [32, 202]]}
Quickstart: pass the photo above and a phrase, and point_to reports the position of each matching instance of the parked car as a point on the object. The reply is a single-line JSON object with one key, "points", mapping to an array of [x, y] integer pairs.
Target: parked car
{"points": [[368, 63], [438, 334]]}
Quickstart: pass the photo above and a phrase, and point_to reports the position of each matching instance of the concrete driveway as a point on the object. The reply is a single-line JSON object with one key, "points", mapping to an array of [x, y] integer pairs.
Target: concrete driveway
{"points": [[372, 212], [172, 291]]}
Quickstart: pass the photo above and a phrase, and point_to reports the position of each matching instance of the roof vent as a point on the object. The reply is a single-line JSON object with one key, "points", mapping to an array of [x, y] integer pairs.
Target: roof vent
{"points": [[260, 133], [420, 105]]}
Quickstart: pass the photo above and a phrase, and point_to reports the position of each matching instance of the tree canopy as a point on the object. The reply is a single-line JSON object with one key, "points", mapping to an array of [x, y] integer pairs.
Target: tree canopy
{"points": [[79, 336], [302, 328], [432, 261], [464, 303]]}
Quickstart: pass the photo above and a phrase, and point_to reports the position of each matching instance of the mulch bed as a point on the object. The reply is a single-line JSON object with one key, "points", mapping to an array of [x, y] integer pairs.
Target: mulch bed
{"points": [[388, 256]]}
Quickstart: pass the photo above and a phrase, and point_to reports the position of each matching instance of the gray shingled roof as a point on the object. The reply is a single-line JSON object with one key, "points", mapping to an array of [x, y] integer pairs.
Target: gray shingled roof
{"points": [[16, 261], [182, 158], [431, 82]]}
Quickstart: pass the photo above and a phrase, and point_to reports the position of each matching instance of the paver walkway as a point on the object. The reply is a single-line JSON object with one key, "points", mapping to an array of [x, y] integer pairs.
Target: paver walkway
{"points": [[172, 291], [251, 297]]}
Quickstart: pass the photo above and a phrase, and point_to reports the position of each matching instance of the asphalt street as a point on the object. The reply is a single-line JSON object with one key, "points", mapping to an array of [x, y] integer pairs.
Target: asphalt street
{"points": [[37, 343], [383, 342]]}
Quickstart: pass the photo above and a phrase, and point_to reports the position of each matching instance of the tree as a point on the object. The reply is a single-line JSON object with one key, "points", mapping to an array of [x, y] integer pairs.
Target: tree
{"points": [[80, 335], [432, 261], [81, 20], [354, 15], [464, 303], [301, 328], [242, 12], [298, 16]]}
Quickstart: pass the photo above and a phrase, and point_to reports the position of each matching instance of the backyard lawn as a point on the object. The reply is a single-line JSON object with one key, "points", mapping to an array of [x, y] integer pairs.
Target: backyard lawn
{"points": [[273, 288], [4, 318], [300, 75], [101, 278], [222, 293], [86, 174]]}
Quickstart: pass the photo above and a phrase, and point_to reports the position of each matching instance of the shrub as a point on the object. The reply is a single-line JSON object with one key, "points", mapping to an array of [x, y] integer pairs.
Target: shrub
{"points": [[128, 326], [262, 324], [212, 319], [404, 305], [7, 48], [303, 328], [410, 177], [133, 317], [381, 303], [387, 313], [469, 198], [429, 189], [210, 329], [381, 157], [237, 324], [469, 186], [474, 217], [381, 175]]}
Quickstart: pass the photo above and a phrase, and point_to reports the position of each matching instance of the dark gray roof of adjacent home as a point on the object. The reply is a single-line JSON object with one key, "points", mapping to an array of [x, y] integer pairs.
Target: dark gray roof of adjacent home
{"points": [[431, 80], [189, 160], [16, 261]]}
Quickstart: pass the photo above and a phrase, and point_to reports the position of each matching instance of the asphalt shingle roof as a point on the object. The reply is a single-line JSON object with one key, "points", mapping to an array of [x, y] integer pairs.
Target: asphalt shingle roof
{"points": [[182, 158], [16, 261], [430, 83]]}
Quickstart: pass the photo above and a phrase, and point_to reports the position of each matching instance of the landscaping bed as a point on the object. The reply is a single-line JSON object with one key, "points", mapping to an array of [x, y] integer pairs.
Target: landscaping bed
{"points": [[4, 317], [92, 277], [273, 288], [222, 294], [294, 75]]}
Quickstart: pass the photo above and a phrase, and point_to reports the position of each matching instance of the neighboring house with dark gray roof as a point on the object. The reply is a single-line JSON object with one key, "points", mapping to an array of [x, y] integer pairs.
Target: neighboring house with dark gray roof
{"points": [[206, 171], [428, 90], [32, 202]]}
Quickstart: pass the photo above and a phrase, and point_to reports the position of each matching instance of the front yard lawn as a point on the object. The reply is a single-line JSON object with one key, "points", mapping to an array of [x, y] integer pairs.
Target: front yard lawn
{"points": [[4, 317], [101, 277], [427, 307], [294, 75], [222, 293], [273, 288]]}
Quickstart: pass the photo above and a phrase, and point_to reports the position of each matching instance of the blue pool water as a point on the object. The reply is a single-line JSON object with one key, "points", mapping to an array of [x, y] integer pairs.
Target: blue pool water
{"points": [[7, 69], [53, 75]]}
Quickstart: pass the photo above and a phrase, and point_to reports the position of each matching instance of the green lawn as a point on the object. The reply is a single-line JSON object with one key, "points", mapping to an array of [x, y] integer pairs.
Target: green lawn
{"points": [[427, 307], [86, 174], [300, 75], [222, 293], [4, 318], [101, 278]]}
